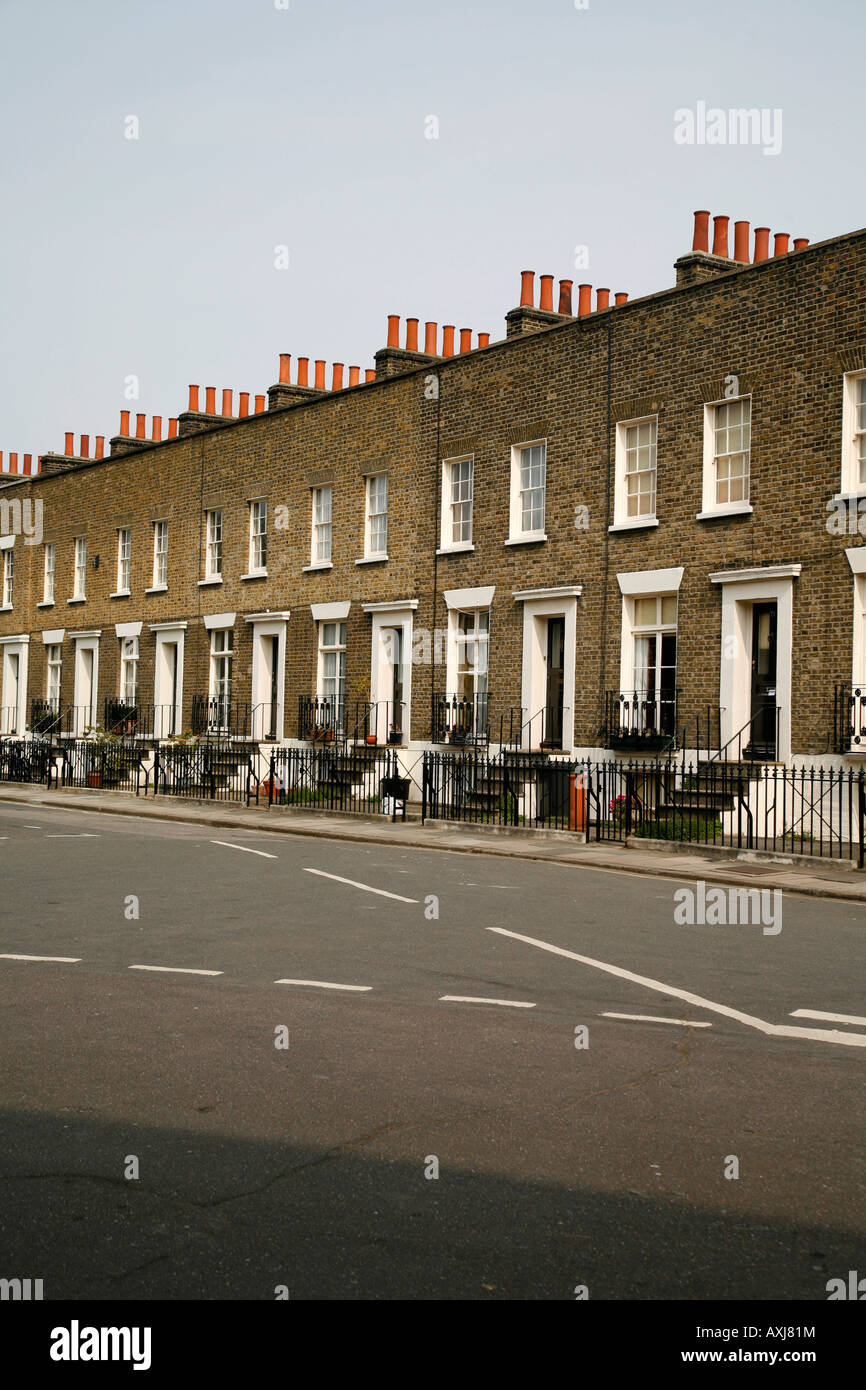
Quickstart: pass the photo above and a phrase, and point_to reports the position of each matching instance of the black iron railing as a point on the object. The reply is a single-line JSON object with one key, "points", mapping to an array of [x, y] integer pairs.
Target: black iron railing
{"points": [[640, 720], [321, 720], [45, 717], [849, 717], [121, 716], [461, 720], [376, 722], [218, 716]]}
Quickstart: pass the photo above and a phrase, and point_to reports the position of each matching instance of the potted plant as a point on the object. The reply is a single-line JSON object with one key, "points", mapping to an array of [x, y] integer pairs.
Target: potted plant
{"points": [[370, 740], [103, 765], [395, 735]]}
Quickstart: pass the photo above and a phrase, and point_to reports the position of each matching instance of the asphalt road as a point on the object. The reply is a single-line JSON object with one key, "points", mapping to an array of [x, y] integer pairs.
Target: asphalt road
{"points": [[308, 1166]]}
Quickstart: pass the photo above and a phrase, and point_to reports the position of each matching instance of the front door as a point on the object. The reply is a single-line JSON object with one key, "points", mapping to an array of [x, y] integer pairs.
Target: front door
{"points": [[552, 733], [762, 743], [11, 694], [273, 644], [84, 692], [394, 638]]}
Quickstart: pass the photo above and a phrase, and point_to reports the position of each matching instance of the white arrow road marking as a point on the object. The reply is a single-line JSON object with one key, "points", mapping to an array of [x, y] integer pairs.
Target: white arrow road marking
{"points": [[325, 984], [775, 1030], [476, 999], [828, 1018], [174, 970], [246, 849], [654, 1018], [62, 960], [365, 887]]}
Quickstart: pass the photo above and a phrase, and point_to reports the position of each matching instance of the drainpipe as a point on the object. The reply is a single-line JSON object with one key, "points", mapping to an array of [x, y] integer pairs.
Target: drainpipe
{"points": [[607, 520], [437, 501]]}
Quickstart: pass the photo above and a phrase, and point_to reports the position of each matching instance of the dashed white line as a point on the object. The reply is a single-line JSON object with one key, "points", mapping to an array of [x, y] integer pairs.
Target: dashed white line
{"points": [[61, 960], [654, 1018], [32, 827], [775, 1030], [326, 984], [246, 849], [365, 887], [80, 835], [174, 970], [477, 999], [828, 1018]]}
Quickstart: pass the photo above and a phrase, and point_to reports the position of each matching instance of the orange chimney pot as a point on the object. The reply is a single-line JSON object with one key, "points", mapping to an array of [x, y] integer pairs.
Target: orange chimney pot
{"points": [[546, 300], [720, 236], [762, 244], [411, 335], [701, 239], [527, 287], [741, 242]]}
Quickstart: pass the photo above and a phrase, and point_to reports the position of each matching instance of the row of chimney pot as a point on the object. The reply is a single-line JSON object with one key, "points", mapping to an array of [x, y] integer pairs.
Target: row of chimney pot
{"points": [[318, 383], [431, 337], [701, 241], [584, 297], [27, 465]]}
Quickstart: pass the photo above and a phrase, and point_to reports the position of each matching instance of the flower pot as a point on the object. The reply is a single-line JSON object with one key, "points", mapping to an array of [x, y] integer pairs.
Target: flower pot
{"points": [[94, 779], [371, 740]]}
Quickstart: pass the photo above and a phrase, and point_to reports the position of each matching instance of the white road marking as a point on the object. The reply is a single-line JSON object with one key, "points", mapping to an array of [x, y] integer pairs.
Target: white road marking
{"points": [[32, 827], [365, 887], [174, 970], [476, 999], [775, 1030], [225, 844], [325, 984], [81, 835], [654, 1018], [828, 1018], [62, 960]]}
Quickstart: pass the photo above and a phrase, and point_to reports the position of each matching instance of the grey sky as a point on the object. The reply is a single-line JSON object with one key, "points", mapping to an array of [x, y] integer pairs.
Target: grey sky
{"points": [[306, 127]]}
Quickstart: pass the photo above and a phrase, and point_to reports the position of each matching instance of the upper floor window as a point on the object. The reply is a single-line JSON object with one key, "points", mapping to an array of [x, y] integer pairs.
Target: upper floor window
{"points": [[124, 556], [854, 433], [48, 574], [8, 575], [636, 471], [457, 497], [214, 545], [258, 559], [80, 577], [528, 487], [160, 554], [321, 540], [376, 532], [727, 451]]}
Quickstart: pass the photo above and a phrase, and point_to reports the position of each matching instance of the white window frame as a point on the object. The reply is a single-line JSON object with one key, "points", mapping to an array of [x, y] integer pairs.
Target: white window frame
{"points": [[53, 672], [49, 561], [517, 535], [160, 556], [129, 651], [257, 563], [853, 438], [124, 560], [373, 551], [709, 506], [447, 543], [622, 521], [321, 532], [213, 545], [79, 591], [8, 576]]}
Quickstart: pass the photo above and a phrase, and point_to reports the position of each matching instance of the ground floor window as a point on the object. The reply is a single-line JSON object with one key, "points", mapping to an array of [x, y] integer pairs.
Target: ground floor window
{"points": [[221, 653], [655, 660], [128, 668], [54, 664], [332, 669]]}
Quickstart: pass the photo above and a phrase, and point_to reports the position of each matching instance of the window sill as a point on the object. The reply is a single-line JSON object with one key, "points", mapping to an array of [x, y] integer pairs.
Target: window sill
{"points": [[156, 589], [530, 538], [372, 560], [463, 548], [82, 599], [732, 509], [323, 565], [204, 583], [46, 603], [643, 523], [5, 607], [854, 495], [121, 593], [255, 574]]}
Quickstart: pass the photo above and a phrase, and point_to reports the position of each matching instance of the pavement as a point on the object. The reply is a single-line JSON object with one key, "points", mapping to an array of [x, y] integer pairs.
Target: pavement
{"points": [[499, 1080], [811, 876]]}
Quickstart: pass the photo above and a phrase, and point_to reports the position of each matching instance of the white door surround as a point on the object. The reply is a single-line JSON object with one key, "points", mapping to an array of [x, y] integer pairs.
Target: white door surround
{"points": [[538, 606], [741, 590], [168, 678], [14, 696], [266, 627]]}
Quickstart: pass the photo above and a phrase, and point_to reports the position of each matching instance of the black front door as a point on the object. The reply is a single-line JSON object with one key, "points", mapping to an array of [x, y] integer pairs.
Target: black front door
{"points": [[275, 667], [762, 743], [552, 735]]}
